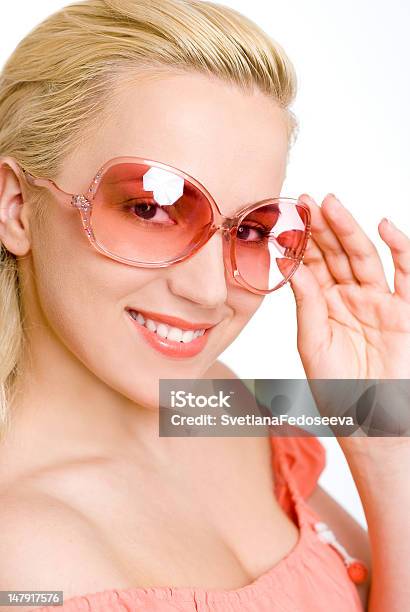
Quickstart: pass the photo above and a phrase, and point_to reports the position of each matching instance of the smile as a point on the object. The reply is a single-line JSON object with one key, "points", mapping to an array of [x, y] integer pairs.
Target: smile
{"points": [[167, 339], [167, 331]]}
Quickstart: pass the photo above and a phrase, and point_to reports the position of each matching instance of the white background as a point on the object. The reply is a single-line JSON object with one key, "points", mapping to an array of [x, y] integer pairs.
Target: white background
{"points": [[353, 104]]}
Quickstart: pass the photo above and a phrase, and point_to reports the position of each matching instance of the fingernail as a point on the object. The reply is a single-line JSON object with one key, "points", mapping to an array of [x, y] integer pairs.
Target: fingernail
{"points": [[332, 195], [336, 203], [389, 222]]}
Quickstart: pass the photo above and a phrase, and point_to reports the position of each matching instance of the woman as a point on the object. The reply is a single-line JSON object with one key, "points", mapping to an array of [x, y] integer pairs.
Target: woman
{"points": [[110, 100]]}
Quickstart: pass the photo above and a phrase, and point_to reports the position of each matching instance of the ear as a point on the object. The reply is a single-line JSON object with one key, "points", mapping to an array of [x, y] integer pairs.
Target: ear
{"points": [[14, 227]]}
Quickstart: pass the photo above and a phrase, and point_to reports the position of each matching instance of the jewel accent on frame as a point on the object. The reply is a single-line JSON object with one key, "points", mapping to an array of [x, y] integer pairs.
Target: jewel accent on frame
{"points": [[79, 201], [95, 182]]}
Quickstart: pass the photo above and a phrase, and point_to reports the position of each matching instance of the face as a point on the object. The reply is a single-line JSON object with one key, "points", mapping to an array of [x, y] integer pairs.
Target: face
{"points": [[236, 145]]}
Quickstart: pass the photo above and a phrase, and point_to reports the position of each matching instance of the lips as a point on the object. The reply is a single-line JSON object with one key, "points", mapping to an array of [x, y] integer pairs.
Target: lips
{"points": [[190, 340]]}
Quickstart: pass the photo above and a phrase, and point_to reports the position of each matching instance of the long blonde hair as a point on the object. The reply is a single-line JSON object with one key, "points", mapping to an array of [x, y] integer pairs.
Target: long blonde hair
{"points": [[56, 84]]}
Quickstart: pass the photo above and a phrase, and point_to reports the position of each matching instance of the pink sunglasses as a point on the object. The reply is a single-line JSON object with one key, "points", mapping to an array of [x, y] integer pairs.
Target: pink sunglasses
{"points": [[146, 213]]}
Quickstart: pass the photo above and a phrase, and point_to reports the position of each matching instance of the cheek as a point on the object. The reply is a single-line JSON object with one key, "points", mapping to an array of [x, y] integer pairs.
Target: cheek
{"points": [[81, 296], [86, 313], [244, 304]]}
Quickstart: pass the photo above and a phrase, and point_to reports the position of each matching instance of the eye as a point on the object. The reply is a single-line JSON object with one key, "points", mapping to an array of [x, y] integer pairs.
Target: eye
{"points": [[252, 233], [149, 211]]}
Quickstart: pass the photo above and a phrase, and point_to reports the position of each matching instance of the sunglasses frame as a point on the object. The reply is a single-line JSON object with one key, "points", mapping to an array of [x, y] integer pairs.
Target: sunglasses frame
{"points": [[228, 225]]}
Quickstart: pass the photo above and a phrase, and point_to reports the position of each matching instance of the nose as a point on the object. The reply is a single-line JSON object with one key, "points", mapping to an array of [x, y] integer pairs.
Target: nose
{"points": [[202, 278]]}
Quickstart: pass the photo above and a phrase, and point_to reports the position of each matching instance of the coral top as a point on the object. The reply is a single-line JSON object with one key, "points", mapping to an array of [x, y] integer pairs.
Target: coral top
{"points": [[313, 576]]}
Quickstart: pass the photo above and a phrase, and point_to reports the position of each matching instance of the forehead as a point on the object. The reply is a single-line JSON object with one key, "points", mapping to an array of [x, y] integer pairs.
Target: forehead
{"points": [[233, 142]]}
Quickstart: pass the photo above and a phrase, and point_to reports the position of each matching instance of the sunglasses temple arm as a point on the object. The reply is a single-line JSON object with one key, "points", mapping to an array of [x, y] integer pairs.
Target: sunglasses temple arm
{"points": [[62, 196]]}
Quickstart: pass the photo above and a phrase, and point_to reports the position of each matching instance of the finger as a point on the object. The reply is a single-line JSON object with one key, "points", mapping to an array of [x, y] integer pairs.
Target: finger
{"points": [[332, 253], [311, 311], [364, 259], [316, 262], [399, 244]]}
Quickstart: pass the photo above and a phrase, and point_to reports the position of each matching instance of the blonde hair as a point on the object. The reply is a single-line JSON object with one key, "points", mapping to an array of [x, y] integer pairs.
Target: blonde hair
{"points": [[57, 83]]}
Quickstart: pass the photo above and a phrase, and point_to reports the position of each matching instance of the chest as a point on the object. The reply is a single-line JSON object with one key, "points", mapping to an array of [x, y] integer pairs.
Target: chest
{"points": [[209, 528]]}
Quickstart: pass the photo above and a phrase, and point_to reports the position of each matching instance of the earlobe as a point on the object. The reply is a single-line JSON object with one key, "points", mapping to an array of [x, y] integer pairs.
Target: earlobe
{"points": [[14, 234]]}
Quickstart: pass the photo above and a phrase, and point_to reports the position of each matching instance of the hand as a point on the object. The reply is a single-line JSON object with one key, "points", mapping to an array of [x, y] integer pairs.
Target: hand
{"points": [[350, 324]]}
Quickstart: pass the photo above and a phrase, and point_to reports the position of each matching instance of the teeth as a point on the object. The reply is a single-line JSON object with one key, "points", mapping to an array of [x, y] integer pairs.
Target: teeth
{"points": [[166, 331], [140, 319], [151, 325], [162, 330], [188, 336], [175, 334]]}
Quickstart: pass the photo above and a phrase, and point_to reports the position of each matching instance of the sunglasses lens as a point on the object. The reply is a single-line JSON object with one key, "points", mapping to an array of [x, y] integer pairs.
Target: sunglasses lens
{"points": [[150, 215], [147, 214], [269, 243]]}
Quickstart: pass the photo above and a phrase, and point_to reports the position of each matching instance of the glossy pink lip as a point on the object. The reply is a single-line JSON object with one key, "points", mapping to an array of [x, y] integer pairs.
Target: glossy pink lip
{"points": [[173, 321], [171, 348]]}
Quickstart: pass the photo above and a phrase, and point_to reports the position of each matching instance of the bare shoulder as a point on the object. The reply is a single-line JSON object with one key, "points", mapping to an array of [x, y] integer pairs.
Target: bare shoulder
{"points": [[346, 529], [219, 370], [46, 545]]}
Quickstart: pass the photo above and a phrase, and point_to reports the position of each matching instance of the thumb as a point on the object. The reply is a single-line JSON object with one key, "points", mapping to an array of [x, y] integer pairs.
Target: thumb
{"points": [[311, 311]]}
